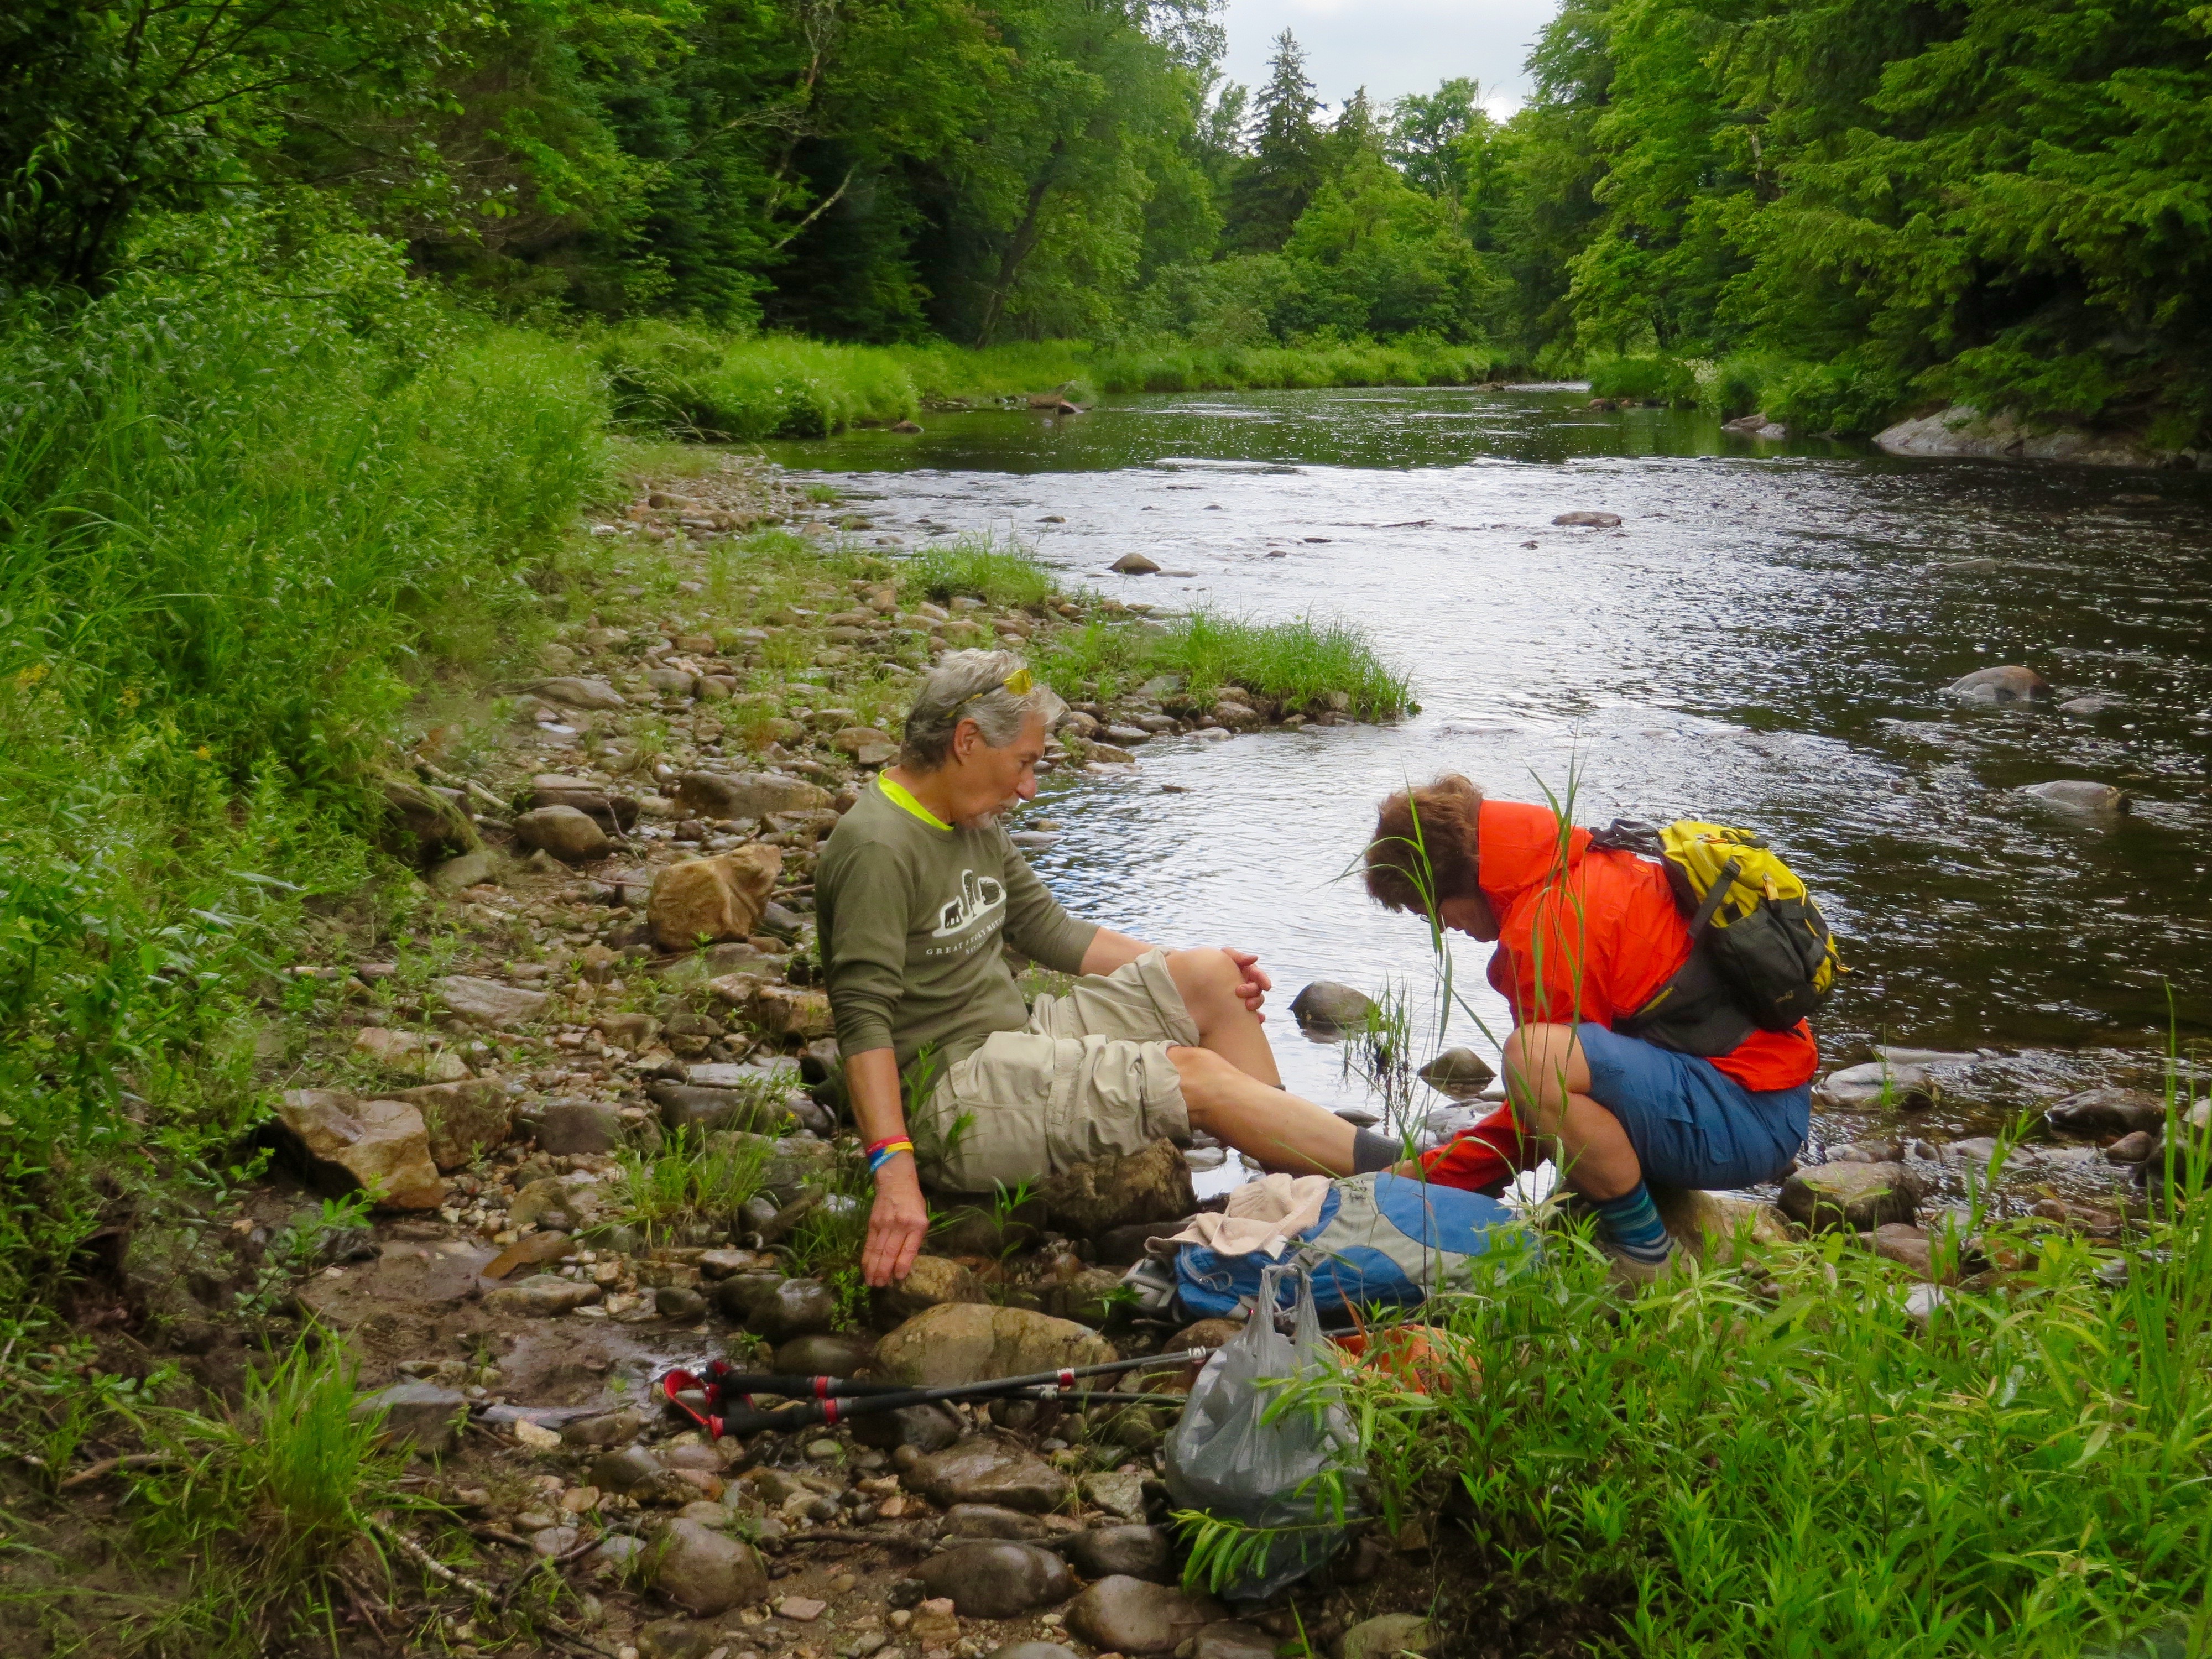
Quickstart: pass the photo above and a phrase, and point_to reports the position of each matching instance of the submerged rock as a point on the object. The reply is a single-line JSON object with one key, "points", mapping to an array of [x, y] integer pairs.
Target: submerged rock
{"points": [[2008, 685], [1877, 1083], [2080, 795], [1588, 519]]}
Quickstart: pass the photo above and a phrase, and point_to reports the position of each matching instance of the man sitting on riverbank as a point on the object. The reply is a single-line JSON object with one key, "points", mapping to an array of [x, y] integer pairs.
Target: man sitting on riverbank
{"points": [[918, 888]]}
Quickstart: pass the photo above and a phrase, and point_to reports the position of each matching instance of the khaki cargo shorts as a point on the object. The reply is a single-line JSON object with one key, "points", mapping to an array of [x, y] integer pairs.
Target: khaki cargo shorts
{"points": [[1088, 1077]]}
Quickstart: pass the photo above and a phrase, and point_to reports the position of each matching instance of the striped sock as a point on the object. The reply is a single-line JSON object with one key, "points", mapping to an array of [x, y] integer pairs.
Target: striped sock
{"points": [[1632, 1221]]}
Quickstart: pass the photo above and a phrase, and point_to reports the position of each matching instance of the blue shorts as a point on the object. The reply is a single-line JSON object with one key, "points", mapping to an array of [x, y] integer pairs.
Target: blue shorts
{"points": [[1692, 1124]]}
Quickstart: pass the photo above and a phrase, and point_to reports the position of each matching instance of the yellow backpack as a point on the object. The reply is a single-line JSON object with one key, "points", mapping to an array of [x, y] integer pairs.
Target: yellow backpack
{"points": [[1761, 954]]}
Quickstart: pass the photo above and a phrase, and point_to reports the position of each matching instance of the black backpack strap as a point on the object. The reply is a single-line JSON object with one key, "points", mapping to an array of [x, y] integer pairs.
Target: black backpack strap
{"points": [[1716, 896]]}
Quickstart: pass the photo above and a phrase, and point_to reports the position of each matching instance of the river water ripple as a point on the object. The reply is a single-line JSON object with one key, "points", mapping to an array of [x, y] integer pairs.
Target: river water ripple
{"points": [[1764, 640]]}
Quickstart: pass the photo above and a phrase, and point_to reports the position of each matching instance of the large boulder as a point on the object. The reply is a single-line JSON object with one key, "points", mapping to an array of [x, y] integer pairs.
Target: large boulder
{"points": [[1859, 1197], [704, 1570], [487, 1002], [379, 1147], [2008, 685], [747, 794], [1128, 1615], [1962, 429], [968, 1341], [1151, 1185], [712, 898], [996, 1579], [570, 835], [1325, 1006], [982, 1471], [463, 1119]]}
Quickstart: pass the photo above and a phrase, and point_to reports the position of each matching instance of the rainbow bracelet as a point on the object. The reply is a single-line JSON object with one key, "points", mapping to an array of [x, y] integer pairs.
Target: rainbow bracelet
{"points": [[884, 1150]]}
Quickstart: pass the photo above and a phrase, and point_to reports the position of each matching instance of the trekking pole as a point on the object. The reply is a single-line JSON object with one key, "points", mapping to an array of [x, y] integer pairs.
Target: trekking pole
{"points": [[1042, 1384]]}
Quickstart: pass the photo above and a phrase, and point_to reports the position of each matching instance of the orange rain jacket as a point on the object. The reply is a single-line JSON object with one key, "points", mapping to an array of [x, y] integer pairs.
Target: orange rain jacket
{"points": [[1589, 933]]}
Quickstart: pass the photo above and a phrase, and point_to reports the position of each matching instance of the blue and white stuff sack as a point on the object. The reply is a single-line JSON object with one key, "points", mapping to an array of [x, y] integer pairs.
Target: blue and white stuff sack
{"points": [[1383, 1240]]}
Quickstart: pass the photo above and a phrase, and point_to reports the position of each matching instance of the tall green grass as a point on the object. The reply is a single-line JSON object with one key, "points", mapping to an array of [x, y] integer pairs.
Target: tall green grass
{"points": [[1782, 1458], [241, 498]]}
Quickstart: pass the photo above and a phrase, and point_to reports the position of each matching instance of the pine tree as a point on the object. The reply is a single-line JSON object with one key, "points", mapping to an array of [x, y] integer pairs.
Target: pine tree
{"points": [[1288, 152]]}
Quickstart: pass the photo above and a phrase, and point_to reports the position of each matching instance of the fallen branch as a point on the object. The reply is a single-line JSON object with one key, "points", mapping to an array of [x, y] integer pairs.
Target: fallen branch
{"points": [[498, 1536], [107, 1465], [429, 1562]]}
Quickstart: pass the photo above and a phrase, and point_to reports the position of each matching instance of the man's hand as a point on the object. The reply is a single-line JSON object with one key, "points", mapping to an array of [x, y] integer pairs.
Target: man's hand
{"points": [[897, 1224], [1256, 985]]}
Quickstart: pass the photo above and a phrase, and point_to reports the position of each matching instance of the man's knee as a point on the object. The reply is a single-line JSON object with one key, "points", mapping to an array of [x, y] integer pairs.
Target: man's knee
{"points": [[1206, 977]]}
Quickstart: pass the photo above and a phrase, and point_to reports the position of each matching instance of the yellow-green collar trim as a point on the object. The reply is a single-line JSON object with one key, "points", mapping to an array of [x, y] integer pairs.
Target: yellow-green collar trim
{"points": [[898, 796]]}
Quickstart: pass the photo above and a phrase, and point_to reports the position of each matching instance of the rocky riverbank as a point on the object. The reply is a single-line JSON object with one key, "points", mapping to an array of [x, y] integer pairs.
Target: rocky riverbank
{"points": [[560, 1116]]}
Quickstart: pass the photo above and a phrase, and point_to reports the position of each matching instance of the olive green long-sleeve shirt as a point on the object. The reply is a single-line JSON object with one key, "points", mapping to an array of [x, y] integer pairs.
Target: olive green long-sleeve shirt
{"points": [[910, 914]]}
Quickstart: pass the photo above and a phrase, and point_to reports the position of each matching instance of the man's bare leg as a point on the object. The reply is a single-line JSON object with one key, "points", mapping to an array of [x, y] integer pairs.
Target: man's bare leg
{"points": [[1208, 981], [1547, 1079], [1280, 1130]]}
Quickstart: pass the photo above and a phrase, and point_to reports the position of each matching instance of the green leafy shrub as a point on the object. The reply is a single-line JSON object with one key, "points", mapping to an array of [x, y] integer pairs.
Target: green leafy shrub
{"points": [[1844, 398], [1645, 379]]}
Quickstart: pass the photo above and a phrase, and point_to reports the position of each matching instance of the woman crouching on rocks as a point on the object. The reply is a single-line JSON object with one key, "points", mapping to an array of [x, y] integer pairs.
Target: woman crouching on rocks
{"points": [[1586, 935]]}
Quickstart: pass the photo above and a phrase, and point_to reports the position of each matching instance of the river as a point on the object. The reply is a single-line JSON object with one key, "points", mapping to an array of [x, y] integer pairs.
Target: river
{"points": [[1764, 640]]}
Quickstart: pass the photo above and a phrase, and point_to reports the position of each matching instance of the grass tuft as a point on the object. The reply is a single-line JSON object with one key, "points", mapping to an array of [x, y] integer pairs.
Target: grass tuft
{"points": [[1299, 663], [692, 1177]]}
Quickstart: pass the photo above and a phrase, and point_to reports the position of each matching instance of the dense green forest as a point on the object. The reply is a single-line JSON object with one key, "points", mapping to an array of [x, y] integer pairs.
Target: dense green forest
{"points": [[1838, 210]]}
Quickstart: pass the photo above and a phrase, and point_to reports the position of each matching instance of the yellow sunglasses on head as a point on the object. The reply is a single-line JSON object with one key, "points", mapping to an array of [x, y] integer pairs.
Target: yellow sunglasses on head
{"points": [[1021, 683]]}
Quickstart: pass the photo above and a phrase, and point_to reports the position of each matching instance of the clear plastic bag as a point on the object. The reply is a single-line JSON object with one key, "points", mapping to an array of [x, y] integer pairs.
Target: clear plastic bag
{"points": [[1265, 1444]]}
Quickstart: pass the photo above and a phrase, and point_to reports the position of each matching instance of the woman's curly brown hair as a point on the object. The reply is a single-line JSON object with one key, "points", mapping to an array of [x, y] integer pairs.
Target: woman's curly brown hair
{"points": [[1424, 849]]}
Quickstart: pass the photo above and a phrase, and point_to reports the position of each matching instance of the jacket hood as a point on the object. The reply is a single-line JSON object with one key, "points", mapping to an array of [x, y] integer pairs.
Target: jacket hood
{"points": [[1518, 850]]}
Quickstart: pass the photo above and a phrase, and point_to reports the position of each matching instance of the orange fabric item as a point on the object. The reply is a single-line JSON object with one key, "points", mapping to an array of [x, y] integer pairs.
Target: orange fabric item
{"points": [[1589, 933], [1481, 1157]]}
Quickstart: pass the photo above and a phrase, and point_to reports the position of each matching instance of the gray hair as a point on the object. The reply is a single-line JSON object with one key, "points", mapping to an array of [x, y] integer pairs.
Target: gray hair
{"points": [[971, 686]]}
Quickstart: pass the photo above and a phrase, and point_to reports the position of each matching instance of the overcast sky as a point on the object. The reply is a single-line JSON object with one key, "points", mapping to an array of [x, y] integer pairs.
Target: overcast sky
{"points": [[1392, 46]]}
